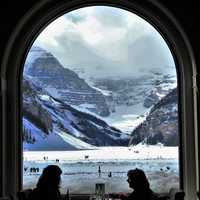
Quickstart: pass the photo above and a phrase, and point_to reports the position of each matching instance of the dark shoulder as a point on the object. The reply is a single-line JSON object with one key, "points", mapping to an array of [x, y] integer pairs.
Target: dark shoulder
{"points": [[36, 194], [44, 194], [33, 194], [153, 195], [145, 195]]}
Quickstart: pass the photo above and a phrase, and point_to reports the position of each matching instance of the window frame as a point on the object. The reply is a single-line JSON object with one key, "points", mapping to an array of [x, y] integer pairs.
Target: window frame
{"points": [[22, 39]]}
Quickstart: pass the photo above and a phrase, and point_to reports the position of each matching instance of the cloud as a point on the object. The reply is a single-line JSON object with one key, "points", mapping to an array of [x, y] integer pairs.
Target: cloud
{"points": [[110, 17], [105, 39]]}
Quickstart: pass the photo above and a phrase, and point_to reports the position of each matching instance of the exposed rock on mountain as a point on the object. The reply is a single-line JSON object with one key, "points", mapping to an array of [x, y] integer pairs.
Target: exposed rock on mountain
{"points": [[62, 83], [57, 105], [161, 125], [162, 86], [129, 92], [55, 125], [33, 110]]}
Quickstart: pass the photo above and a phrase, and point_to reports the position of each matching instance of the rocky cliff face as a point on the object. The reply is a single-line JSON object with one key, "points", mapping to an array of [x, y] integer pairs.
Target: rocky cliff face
{"points": [[129, 92], [62, 83], [162, 86], [47, 118], [56, 101], [161, 125], [32, 108]]}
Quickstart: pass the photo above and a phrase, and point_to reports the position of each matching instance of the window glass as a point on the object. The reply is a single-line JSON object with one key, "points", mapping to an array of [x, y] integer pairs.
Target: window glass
{"points": [[100, 98]]}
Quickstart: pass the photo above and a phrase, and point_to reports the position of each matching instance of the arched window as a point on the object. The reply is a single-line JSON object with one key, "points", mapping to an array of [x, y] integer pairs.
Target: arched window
{"points": [[101, 80], [22, 41]]}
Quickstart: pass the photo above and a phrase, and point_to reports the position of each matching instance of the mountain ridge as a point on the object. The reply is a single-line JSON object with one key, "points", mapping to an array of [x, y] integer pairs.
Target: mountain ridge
{"points": [[51, 117], [161, 125]]}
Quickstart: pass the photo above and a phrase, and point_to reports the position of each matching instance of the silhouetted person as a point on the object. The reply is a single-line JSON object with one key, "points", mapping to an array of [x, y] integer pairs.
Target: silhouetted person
{"points": [[37, 169], [25, 169], [48, 185], [99, 170], [141, 189], [110, 174]]}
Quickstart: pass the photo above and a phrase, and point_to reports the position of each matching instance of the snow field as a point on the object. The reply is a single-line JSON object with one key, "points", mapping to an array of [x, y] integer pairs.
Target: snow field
{"points": [[139, 152], [80, 168]]}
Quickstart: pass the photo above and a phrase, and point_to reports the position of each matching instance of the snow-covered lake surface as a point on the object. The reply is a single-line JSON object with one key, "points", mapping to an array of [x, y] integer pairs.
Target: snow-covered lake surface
{"points": [[80, 168]]}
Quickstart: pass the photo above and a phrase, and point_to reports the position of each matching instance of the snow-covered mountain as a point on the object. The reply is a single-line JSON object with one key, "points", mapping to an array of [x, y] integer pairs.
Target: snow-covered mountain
{"points": [[161, 125], [51, 124], [131, 98], [148, 89], [46, 71], [81, 113], [116, 99]]}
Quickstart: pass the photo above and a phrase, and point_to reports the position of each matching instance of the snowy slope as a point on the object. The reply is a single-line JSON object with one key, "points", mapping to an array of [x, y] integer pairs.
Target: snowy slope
{"points": [[43, 141], [130, 99], [50, 119]]}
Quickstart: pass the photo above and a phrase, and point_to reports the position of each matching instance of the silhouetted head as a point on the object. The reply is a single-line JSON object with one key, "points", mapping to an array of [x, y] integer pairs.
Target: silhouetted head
{"points": [[137, 179], [50, 177]]}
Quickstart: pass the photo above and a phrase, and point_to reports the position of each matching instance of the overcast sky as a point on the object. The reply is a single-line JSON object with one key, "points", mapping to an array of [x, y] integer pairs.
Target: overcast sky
{"points": [[107, 40]]}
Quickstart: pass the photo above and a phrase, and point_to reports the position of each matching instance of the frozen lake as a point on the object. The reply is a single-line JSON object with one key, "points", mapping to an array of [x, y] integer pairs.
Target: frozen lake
{"points": [[80, 168]]}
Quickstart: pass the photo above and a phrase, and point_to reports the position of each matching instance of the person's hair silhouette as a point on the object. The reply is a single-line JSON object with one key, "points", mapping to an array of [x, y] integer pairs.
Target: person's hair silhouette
{"points": [[139, 183], [48, 184], [137, 180]]}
